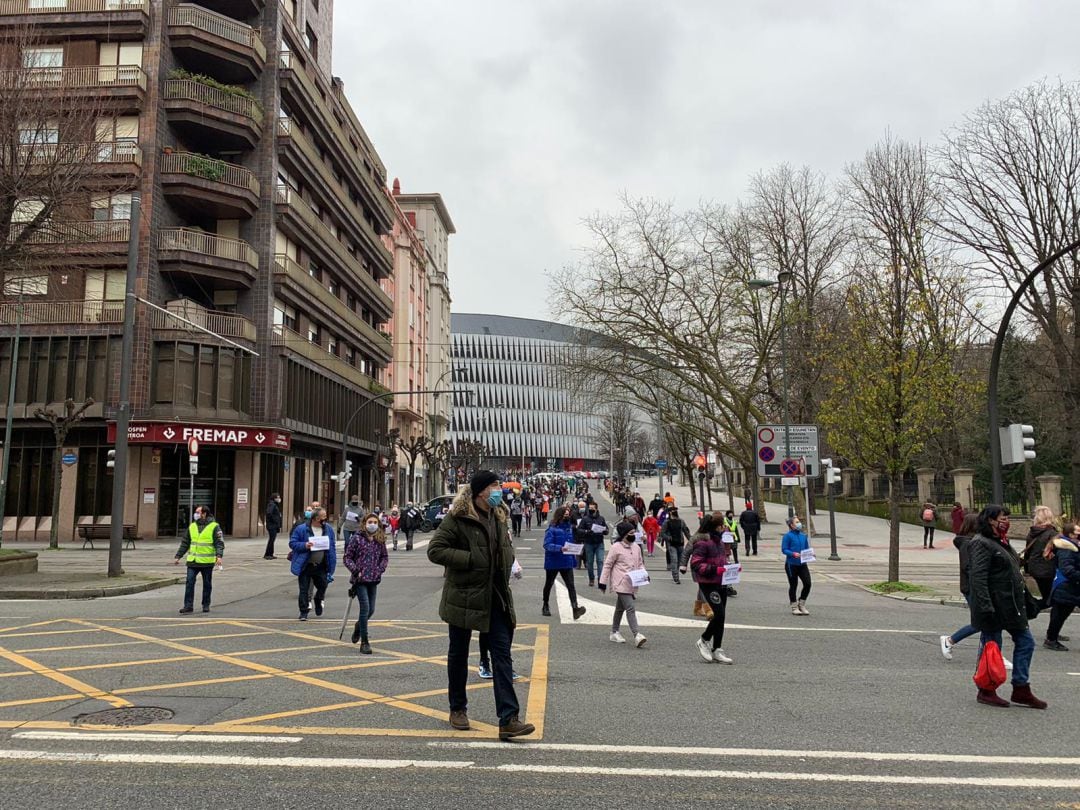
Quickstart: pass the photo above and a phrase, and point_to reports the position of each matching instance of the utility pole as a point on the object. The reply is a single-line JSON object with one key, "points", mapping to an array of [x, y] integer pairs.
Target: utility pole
{"points": [[123, 413]]}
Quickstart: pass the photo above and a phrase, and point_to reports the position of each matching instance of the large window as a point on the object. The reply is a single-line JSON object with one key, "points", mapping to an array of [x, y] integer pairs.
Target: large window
{"points": [[53, 369], [205, 377]]}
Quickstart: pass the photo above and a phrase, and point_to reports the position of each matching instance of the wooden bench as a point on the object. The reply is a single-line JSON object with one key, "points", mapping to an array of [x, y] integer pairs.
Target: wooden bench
{"points": [[103, 531]]}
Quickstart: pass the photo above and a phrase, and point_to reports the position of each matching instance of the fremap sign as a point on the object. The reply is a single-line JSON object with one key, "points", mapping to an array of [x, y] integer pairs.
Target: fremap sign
{"points": [[770, 451], [244, 436]]}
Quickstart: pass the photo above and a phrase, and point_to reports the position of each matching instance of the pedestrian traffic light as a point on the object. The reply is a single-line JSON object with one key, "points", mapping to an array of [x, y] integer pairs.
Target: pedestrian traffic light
{"points": [[832, 475], [1017, 444], [111, 463], [348, 469]]}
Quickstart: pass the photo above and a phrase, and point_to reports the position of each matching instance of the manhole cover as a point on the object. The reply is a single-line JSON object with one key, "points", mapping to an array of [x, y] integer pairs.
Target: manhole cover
{"points": [[137, 716]]}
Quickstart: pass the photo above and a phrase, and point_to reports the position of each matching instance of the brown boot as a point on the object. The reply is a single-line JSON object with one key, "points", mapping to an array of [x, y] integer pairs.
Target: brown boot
{"points": [[990, 698], [515, 728], [1021, 695], [459, 720]]}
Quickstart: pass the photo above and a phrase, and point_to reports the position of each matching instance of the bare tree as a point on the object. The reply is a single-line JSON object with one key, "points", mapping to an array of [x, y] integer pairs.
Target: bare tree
{"points": [[1011, 191], [414, 447], [61, 424]]}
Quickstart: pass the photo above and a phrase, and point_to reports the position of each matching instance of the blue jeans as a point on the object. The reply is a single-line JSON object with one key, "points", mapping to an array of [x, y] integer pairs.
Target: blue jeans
{"points": [[964, 632], [1023, 649], [207, 572], [365, 599], [500, 637], [594, 560]]}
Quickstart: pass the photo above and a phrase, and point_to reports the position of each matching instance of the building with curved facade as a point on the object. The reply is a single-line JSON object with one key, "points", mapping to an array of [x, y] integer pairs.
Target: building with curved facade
{"points": [[521, 404]]}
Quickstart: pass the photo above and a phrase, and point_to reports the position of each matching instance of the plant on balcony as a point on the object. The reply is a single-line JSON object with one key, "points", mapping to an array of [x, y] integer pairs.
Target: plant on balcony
{"points": [[205, 167], [210, 81]]}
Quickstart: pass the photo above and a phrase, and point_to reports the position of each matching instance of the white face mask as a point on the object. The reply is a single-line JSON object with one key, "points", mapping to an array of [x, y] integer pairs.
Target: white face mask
{"points": [[372, 528]]}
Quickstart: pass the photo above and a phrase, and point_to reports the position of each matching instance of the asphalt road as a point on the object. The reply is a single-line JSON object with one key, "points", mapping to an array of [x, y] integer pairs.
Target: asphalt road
{"points": [[851, 706]]}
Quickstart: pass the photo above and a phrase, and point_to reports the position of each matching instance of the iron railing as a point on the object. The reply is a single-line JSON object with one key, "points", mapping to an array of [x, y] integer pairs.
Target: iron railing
{"points": [[192, 90], [209, 168], [207, 244], [189, 14]]}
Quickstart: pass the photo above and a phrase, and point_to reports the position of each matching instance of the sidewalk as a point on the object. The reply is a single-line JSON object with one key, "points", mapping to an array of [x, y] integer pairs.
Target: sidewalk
{"points": [[862, 543]]}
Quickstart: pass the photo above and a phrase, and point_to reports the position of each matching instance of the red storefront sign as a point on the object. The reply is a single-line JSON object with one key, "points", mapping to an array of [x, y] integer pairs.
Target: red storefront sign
{"points": [[208, 435]]}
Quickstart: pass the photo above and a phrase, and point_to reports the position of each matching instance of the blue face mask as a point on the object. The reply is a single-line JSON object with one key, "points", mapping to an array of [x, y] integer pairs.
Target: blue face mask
{"points": [[307, 514], [495, 497]]}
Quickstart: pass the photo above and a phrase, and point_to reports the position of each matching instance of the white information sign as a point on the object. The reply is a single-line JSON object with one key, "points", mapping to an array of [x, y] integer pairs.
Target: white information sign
{"points": [[320, 543], [732, 574], [572, 548], [807, 555], [777, 458], [639, 577]]}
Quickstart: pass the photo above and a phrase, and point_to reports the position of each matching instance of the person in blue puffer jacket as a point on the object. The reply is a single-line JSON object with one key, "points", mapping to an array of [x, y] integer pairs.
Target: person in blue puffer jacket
{"points": [[560, 531], [313, 565], [795, 542]]}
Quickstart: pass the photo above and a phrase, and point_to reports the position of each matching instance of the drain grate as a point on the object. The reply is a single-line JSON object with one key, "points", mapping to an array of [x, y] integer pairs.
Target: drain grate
{"points": [[126, 718]]}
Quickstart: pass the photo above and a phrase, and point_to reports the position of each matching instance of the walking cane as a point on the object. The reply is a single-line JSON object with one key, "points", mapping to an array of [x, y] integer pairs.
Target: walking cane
{"points": [[345, 619]]}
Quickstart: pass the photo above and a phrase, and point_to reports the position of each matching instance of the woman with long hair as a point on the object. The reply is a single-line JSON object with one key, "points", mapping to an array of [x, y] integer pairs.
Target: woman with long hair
{"points": [[1036, 564], [557, 562], [366, 558], [708, 559]]}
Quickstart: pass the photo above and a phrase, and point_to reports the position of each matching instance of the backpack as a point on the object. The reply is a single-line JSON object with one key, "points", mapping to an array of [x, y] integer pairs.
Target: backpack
{"points": [[928, 514]]}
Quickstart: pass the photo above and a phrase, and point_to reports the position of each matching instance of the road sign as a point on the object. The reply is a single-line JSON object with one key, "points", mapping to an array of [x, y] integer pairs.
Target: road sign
{"points": [[193, 446], [69, 458], [193, 466], [770, 451], [661, 464]]}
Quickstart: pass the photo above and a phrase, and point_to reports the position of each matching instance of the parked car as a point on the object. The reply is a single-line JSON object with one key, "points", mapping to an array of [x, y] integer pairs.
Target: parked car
{"points": [[431, 512]]}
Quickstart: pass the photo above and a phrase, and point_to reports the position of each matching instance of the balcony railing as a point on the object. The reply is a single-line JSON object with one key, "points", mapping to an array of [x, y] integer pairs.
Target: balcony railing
{"points": [[191, 90], [77, 233], [283, 336], [220, 323], [208, 244], [10, 8], [209, 169], [62, 312], [87, 77], [285, 126], [81, 153], [218, 25]]}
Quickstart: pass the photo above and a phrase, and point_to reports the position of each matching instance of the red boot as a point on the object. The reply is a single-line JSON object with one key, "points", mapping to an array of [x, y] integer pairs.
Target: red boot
{"points": [[990, 698], [1022, 695]]}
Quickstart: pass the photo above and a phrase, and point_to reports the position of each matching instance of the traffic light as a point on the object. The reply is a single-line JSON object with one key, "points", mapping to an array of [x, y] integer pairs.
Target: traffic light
{"points": [[342, 481], [1017, 444], [348, 469], [111, 463], [832, 475]]}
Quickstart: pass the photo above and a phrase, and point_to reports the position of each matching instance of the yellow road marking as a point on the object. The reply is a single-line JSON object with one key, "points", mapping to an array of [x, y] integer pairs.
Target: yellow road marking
{"points": [[218, 635], [32, 624], [281, 673], [132, 690], [47, 632], [31, 701], [71, 683], [82, 647], [536, 706], [345, 731]]}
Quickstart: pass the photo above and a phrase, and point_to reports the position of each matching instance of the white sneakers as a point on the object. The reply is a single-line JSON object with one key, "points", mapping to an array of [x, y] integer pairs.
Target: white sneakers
{"points": [[704, 650], [1008, 664], [617, 638], [946, 648], [721, 657], [639, 640]]}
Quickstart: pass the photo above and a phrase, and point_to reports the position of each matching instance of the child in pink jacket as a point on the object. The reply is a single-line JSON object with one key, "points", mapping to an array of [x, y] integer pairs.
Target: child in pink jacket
{"points": [[625, 556]]}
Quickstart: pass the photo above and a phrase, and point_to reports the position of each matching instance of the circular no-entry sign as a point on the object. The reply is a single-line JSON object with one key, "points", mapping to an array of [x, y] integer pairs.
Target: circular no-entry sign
{"points": [[766, 436], [766, 454], [193, 447]]}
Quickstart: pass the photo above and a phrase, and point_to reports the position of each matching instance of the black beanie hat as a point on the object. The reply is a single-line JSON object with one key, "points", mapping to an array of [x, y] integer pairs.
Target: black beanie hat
{"points": [[481, 480]]}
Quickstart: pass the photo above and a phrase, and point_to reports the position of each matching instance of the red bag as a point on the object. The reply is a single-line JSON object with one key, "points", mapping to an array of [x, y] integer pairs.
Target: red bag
{"points": [[990, 674]]}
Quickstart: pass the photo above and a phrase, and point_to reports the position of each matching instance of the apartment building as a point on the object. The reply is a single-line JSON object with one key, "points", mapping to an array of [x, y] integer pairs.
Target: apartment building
{"points": [[430, 218], [263, 218]]}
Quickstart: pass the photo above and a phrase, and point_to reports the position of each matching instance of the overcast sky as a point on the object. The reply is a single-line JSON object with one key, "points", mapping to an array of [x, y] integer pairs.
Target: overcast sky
{"points": [[530, 115]]}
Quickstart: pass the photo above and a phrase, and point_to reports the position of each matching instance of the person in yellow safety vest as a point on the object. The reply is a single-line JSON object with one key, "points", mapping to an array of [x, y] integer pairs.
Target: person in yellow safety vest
{"points": [[204, 547]]}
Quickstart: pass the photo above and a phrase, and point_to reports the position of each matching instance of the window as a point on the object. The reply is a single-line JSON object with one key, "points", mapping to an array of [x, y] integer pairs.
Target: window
{"points": [[38, 132], [22, 282], [227, 379], [315, 271], [185, 374], [111, 54], [105, 285], [332, 345], [311, 41], [111, 207], [123, 130], [206, 377], [164, 372], [285, 316], [333, 287], [313, 334], [27, 210], [47, 57]]}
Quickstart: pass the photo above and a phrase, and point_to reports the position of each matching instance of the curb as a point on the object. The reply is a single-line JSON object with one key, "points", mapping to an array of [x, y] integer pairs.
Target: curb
{"points": [[90, 593], [921, 600]]}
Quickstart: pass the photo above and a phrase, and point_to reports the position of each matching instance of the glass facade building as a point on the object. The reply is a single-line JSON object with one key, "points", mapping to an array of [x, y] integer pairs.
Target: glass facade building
{"points": [[522, 406]]}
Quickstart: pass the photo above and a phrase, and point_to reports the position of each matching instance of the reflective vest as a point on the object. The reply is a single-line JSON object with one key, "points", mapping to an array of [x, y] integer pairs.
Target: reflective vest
{"points": [[201, 551]]}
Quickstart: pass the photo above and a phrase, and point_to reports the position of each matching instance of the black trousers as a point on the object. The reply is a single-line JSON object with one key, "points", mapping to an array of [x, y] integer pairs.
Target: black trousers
{"points": [[515, 521], [312, 575], [567, 576], [500, 638], [270, 543], [716, 596], [751, 542], [1058, 615], [795, 574]]}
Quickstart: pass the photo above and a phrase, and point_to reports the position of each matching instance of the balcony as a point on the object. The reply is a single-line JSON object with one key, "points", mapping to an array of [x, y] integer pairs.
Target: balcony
{"points": [[307, 158], [240, 9], [182, 314], [121, 86], [299, 345], [230, 120], [56, 313], [224, 47], [119, 19], [197, 183], [315, 102], [93, 243], [105, 160], [224, 263], [289, 274], [317, 237]]}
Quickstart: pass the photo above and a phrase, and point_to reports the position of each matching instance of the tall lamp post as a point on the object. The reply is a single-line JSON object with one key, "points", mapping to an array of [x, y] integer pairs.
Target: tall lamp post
{"points": [[995, 362], [783, 278]]}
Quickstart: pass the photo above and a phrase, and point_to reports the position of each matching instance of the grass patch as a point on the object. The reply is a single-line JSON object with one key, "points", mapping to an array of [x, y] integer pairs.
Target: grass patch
{"points": [[898, 587], [9, 552]]}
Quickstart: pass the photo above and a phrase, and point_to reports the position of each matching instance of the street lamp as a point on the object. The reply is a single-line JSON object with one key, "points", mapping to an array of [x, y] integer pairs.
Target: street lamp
{"points": [[783, 278]]}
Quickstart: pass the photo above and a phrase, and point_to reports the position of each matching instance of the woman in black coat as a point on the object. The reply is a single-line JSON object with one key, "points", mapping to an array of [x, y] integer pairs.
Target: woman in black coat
{"points": [[1065, 596], [998, 598]]}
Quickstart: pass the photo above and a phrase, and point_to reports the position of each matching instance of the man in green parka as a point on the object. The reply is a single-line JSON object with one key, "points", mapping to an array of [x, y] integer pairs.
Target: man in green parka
{"points": [[474, 547]]}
